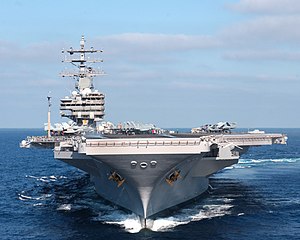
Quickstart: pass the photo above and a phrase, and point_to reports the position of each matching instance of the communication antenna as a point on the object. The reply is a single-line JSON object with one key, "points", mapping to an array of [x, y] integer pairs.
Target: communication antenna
{"points": [[49, 112]]}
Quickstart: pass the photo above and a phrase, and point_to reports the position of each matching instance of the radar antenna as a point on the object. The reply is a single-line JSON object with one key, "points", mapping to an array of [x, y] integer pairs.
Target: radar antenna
{"points": [[86, 72]]}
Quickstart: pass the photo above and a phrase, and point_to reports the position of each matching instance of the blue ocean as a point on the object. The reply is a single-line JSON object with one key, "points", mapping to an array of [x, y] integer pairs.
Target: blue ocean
{"points": [[43, 198]]}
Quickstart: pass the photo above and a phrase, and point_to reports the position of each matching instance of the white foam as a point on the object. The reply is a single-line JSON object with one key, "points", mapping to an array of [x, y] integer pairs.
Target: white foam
{"points": [[212, 211], [260, 161], [228, 168], [131, 222], [64, 207], [37, 204], [166, 224], [43, 197], [43, 179], [30, 176], [241, 167], [237, 166], [51, 178], [24, 197], [227, 200], [131, 225], [191, 215]]}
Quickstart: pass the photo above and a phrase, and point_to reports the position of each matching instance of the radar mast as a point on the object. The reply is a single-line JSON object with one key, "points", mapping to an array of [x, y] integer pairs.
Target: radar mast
{"points": [[85, 106], [86, 73]]}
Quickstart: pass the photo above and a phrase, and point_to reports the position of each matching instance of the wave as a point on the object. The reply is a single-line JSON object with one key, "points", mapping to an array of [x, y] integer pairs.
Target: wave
{"points": [[249, 163], [64, 207], [192, 215], [70, 195], [260, 161], [237, 166], [131, 222], [24, 197], [52, 190], [38, 204], [46, 178]]}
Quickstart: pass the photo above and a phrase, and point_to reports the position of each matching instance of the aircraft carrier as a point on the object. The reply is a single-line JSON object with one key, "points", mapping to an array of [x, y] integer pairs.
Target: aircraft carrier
{"points": [[143, 168]]}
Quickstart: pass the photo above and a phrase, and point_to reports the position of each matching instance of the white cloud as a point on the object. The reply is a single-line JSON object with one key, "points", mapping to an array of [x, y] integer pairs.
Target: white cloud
{"points": [[29, 68], [276, 25], [267, 6], [159, 42], [165, 41], [263, 31], [262, 54], [41, 52], [232, 78]]}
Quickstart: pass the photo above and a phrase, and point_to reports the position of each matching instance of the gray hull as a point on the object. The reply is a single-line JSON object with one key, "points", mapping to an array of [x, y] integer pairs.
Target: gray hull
{"points": [[145, 191], [147, 176]]}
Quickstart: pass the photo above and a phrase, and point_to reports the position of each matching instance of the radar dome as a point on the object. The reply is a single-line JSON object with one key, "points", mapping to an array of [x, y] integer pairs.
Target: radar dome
{"points": [[86, 91]]}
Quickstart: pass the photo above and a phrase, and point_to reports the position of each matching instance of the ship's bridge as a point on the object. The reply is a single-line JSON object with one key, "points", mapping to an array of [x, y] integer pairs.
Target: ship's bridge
{"points": [[84, 108]]}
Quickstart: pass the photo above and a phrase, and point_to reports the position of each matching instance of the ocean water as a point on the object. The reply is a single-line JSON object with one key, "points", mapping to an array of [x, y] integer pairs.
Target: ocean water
{"points": [[43, 198]]}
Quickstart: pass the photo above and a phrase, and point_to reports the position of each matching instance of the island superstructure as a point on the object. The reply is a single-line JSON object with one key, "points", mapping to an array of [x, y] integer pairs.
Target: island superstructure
{"points": [[141, 167], [85, 106]]}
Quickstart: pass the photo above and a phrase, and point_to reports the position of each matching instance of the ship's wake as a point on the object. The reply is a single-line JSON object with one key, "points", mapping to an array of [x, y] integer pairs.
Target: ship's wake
{"points": [[72, 193], [225, 201], [197, 212], [251, 162], [270, 160]]}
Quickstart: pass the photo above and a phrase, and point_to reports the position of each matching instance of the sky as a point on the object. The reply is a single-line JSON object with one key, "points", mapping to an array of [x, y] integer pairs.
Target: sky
{"points": [[168, 62]]}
